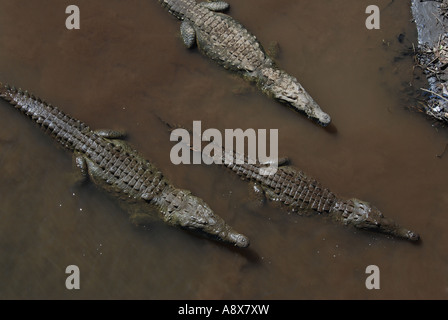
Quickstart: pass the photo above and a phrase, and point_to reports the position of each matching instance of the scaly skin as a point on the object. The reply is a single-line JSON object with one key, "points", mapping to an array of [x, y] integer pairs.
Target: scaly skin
{"points": [[113, 165], [228, 43], [299, 193]]}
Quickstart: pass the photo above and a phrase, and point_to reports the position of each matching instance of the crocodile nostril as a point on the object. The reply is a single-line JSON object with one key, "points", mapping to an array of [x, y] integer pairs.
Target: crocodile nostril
{"points": [[413, 236]]}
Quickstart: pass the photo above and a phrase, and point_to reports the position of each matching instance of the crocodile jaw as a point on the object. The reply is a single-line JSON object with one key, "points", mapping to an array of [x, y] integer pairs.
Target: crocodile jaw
{"points": [[304, 103], [204, 221], [367, 217], [387, 225]]}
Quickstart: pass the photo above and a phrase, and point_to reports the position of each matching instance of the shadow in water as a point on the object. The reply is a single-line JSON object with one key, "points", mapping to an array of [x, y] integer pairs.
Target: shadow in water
{"points": [[249, 254], [331, 129]]}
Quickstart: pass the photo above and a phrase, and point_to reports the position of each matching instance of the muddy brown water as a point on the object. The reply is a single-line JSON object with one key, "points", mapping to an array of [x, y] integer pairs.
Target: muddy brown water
{"points": [[127, 64]]}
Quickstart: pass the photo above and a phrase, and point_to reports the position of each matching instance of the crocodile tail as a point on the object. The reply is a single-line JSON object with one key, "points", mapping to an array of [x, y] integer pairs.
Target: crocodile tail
{"points": [[52, 120], [22, 100], [6, 92]]}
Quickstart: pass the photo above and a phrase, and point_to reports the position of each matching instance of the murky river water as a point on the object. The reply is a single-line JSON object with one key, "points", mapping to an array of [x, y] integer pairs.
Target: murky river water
{"points": [[127, 64]]}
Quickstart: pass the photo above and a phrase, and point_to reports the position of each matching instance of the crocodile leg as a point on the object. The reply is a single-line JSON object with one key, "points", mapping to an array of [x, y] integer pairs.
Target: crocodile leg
{"points": [[270, 166], [116, 137], [186, 28], [110, 134], [257, 192], [256, 198], [188, 34], [271, 196], [280, 162], [80, 163], [216, 6], [79, 177]]}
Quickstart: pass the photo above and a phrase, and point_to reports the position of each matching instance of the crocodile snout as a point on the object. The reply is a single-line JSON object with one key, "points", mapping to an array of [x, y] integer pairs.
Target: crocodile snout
{"points": [[365, 216], [324, 119], [388, 226], [408, 234], [238, 239]]}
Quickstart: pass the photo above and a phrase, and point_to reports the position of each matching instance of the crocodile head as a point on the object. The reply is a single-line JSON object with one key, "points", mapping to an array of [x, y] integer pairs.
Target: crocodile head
{"points": [[192, 213], [286, 89], [303, 102], [365, 216]]}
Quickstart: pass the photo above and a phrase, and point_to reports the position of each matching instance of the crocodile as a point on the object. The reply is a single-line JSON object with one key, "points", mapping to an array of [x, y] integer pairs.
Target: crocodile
{"points": [[227, 42], [113, 165], [298, 192]]}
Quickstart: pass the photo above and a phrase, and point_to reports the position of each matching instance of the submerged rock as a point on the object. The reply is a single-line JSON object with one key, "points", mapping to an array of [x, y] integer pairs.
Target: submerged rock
{"points": [[431, 18]]}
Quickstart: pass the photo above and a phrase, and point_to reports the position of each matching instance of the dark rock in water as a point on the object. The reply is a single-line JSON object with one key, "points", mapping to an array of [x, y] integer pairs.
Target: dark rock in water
{"points": [[429, 29], [432, 27]]}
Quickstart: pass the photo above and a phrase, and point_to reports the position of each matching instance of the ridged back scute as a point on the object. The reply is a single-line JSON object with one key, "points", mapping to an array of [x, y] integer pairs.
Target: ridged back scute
{"points": [[289, 186]]}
